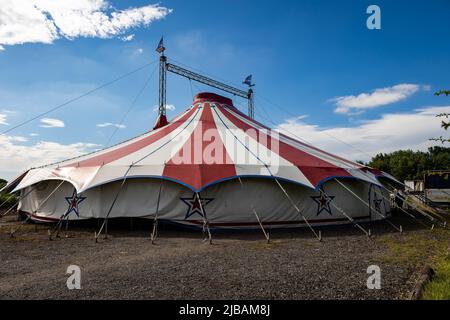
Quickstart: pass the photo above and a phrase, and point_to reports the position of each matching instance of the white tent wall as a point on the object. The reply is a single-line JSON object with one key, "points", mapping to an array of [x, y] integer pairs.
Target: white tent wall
{"points": [[227, 204]]}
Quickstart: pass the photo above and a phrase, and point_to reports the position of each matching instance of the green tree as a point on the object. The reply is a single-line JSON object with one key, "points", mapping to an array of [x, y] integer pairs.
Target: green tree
{"points": [[445, 123], [411, 165], [6, 200]]}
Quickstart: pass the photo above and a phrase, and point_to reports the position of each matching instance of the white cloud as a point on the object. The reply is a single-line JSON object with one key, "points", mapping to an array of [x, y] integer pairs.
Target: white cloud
{"points": [[301, 117], [52, 123], [377, 98], [17, 158], [44, 21], [391, 132], [3, 119], [18, 139], [169, 107], [127, 38], [9, 111], [109, 124], [34, 134]]}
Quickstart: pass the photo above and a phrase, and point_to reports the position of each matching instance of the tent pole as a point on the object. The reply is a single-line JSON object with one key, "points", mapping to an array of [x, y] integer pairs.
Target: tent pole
{"points": [[48, 197], [403, 210], [370, 201], [155, 230], [406, 212], [18, 200], [11, 234], [105, 221], [408, 187], [40, 205], [67, 226], [356, 224], [266, 234], [317, 235], [155, 221], [59, 224], [10, 208], [206, 230], [399, 229], [432, 219], [7, 199], [106, 228]]}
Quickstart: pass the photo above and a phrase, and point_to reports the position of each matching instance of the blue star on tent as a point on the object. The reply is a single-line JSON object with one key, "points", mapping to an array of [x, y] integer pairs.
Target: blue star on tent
{"points": [[323, 203], [73, 202], [195, 205], [377, 204]]}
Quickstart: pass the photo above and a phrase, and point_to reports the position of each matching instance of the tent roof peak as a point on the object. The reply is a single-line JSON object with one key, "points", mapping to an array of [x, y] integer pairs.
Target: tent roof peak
{"points": [[212, 97]]}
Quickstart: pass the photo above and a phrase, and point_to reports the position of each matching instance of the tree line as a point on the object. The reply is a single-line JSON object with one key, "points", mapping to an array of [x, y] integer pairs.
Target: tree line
{"points": [[6, 200], [411, 165]]}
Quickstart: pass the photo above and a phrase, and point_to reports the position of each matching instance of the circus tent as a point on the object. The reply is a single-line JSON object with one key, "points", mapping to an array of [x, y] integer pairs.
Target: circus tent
{"points": [[210, 163]]}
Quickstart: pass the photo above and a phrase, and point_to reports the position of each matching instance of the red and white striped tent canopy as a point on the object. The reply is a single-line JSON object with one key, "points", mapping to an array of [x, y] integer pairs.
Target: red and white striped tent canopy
{"points": [[210, 142], [204, 148]]}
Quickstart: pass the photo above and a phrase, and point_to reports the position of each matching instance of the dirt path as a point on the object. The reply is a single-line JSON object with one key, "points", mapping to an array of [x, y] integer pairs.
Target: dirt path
{"points": [[180, 266]]}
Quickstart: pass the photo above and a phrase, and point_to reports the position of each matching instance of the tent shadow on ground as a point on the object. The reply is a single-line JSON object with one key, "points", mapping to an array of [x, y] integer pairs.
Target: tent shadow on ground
{"points": [[140, 227]]}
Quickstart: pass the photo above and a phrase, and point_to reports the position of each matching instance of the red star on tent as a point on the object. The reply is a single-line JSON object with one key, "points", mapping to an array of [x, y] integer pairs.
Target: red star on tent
{"points": [[323, 203], [195, 205], [73, 202]]}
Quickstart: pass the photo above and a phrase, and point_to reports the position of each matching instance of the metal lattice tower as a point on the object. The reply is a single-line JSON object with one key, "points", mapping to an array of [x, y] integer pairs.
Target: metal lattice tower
{"points": [[164, 66], [251, 106], [162, 84]]}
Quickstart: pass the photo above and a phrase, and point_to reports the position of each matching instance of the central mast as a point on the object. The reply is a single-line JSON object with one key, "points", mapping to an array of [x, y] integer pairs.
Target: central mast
{"points": [[164, 66], [162, 118], [162, 84]]}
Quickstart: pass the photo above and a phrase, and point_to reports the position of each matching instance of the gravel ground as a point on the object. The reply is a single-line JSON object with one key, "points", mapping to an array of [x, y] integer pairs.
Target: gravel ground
{"points": [[180, 266]]}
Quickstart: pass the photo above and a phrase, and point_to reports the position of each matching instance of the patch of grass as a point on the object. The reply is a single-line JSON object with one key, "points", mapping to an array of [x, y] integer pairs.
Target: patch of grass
{"points": [[439, 288], [416, 248], [265, 245]]}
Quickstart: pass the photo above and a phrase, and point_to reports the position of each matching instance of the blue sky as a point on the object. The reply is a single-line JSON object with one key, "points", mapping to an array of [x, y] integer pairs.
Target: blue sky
{"points": [[328, 77]]}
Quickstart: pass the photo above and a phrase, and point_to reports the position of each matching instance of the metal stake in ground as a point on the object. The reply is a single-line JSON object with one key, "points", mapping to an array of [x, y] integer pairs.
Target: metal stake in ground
{"points": [[367, 233], [399, 229], [404, 211], [432, 219], [37, 209], [65, 218], [105, 221], [266, 234], [20, 198], [401, 209], [319, 234], [11, 234], [58, 225], [155, 221], [206, 230]]}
